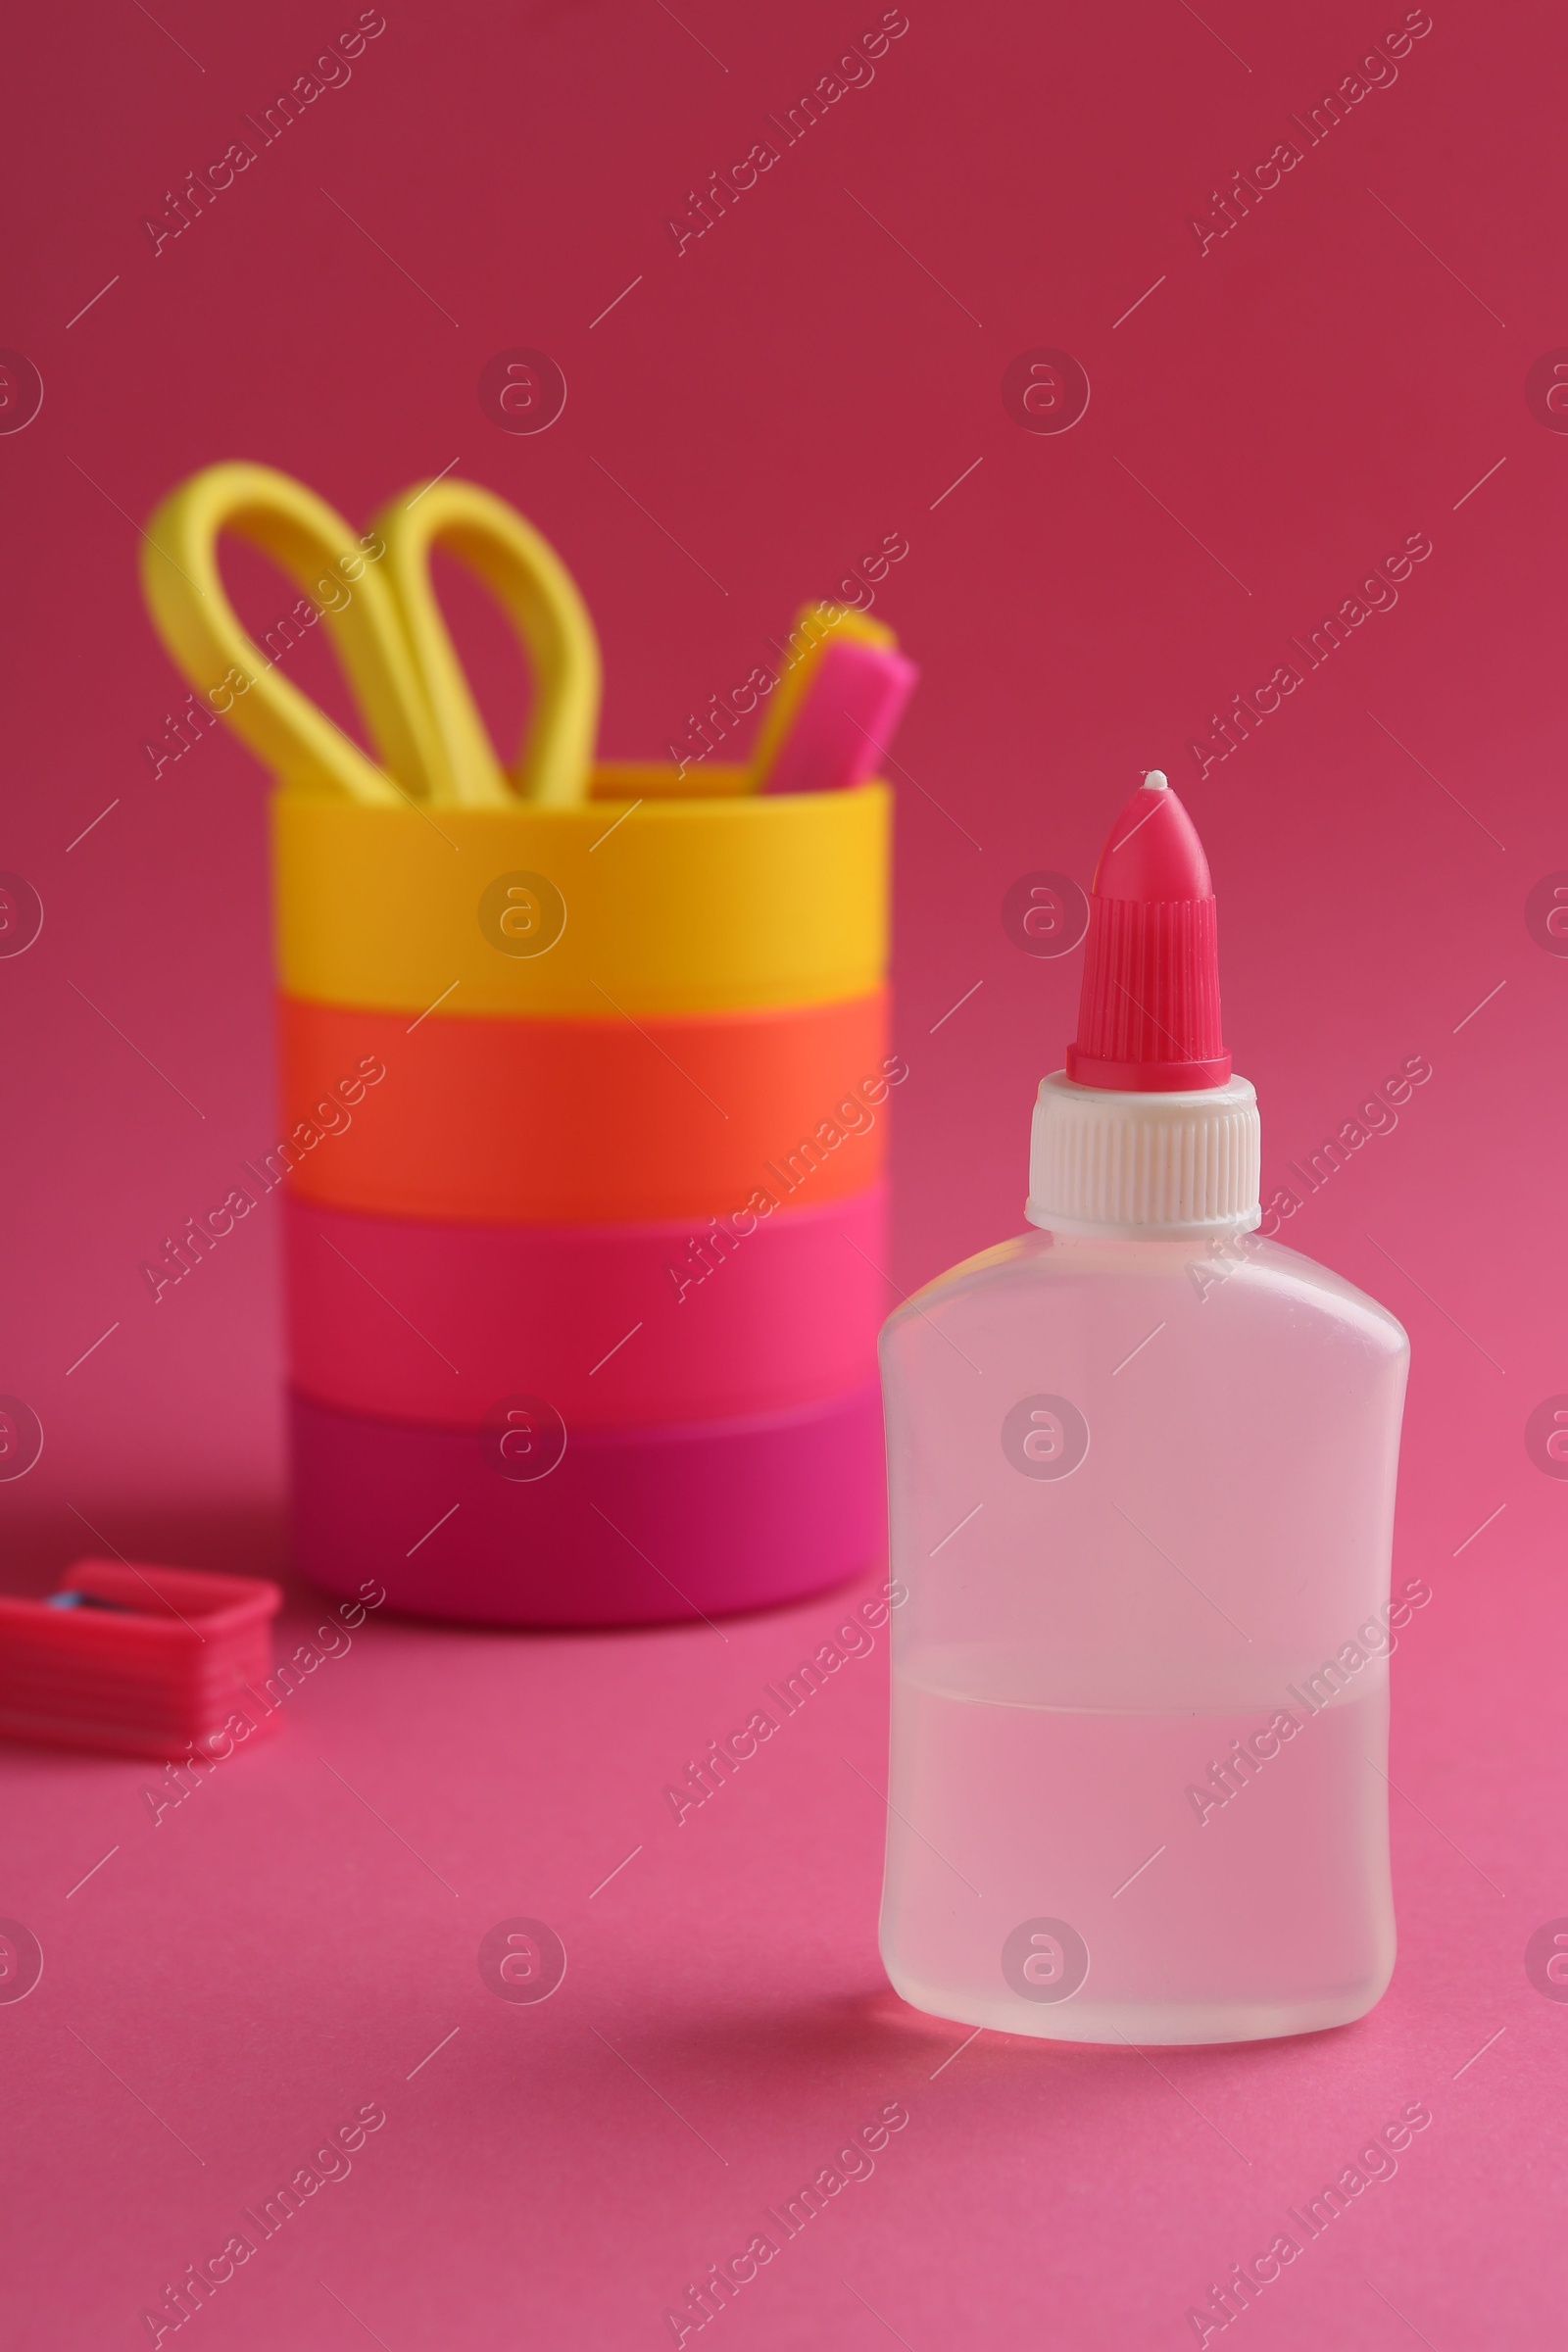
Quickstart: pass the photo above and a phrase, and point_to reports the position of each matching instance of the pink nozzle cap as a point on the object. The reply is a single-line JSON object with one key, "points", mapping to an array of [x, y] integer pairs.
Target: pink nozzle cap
{"points": [[1148, 1021]]}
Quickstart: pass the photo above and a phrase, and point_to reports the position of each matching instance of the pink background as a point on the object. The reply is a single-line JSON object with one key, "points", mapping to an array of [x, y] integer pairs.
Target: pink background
{"points": [[757, 414]]}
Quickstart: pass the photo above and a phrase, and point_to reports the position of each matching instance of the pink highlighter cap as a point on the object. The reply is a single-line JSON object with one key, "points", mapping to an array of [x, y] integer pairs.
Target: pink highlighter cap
{"points": [[1149, 1020]]}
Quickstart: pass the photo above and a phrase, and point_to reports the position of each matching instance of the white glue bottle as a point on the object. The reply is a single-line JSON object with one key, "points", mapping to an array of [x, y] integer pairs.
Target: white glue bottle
{"points": [[1142, 1470]]}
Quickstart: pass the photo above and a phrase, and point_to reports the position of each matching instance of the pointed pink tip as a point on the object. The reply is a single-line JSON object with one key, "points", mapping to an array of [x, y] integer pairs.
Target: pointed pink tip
{"points": [[1152, 851]]}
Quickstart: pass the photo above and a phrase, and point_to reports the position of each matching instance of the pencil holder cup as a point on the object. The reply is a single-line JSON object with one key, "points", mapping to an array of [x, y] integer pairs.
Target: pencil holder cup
{"points": [[585, 1117]]}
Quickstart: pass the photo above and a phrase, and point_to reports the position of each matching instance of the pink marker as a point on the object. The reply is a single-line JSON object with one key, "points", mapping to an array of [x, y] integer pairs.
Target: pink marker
{"points": [[847, 717]]}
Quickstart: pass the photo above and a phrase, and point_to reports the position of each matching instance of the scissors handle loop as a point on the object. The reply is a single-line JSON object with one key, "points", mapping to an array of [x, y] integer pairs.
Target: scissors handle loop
{"points": [[540, 597], [343, 578]]}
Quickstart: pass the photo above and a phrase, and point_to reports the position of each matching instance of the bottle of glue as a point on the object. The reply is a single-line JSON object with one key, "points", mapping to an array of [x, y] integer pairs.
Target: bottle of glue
{"points": [[1142, 1468]]}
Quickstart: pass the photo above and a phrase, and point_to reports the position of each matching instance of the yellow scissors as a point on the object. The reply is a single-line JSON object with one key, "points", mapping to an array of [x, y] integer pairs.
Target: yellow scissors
{"points": [[376, 595]]}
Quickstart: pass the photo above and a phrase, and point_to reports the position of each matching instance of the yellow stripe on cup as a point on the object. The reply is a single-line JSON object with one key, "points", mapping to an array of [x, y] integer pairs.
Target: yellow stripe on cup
{"points": [[650, 898]]}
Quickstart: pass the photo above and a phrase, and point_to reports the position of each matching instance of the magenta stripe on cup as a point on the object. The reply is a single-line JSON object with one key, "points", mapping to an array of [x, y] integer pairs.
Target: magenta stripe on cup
{"points": [[615, 1527], [611, 1325]]}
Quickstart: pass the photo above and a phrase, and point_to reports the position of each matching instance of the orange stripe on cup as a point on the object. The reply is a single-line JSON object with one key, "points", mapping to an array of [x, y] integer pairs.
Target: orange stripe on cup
{"points": [[518, 1121]]}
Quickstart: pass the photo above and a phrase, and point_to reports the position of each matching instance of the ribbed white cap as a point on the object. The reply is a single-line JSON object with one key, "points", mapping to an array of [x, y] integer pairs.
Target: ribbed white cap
{"points": [[1155, 1164]]}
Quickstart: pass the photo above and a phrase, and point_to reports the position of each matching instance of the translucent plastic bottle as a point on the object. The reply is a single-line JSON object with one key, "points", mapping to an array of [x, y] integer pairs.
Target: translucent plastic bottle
{"points": [[1141, 1469]]}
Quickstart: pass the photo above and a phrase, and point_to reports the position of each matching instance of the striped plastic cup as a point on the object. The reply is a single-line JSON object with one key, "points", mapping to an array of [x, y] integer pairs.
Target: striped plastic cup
{"points": [[587, 1110]]}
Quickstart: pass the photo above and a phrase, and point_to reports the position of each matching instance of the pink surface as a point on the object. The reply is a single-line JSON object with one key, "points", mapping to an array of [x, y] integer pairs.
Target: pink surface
{"points": [[843, 359], [611, 1323], [622, 1526]]}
